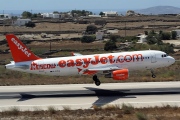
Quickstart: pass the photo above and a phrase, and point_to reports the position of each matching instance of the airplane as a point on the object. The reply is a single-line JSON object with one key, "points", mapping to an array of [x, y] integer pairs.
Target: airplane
{"points": [[111, 65]]}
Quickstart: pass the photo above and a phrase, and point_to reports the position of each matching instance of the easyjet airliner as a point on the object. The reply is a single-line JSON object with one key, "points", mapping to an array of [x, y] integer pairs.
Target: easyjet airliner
{"points": [[111, 65]]}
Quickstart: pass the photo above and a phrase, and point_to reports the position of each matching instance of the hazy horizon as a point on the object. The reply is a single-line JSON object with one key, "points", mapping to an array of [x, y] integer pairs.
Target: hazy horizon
{"points": [[95, 11], [13, 6]]}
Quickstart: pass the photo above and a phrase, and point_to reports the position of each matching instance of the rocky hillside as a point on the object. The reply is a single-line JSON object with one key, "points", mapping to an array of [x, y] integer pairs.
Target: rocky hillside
{"points": [[159, 10]]}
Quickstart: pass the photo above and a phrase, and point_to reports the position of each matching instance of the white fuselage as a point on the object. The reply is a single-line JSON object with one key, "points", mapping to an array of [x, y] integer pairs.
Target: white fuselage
{"points": [[75, 65]]}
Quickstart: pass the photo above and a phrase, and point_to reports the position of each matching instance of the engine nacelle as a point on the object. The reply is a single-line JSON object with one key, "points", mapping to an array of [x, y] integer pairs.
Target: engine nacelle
{"points": [[119, 74]]}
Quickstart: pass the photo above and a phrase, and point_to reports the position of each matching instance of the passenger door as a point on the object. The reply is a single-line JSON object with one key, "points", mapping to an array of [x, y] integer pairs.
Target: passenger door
{"points": [[153, 57]]}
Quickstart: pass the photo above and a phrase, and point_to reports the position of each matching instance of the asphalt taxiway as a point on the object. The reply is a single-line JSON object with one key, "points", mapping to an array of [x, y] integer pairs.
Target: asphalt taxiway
{"points": [[84, 96]]}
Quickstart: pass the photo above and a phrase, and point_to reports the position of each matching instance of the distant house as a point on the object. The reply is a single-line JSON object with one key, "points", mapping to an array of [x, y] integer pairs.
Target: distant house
{"points": [[99, 35], [178, 33], [115, 31], [111, 14], [1, 21], [56, 15], [95, 16], [6, 16], [51, 15], [142, 38], [21, 22], [47, 15]]}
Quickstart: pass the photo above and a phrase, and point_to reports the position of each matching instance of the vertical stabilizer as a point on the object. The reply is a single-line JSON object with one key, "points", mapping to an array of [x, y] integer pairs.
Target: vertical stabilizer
{"points": [[19, 51]]}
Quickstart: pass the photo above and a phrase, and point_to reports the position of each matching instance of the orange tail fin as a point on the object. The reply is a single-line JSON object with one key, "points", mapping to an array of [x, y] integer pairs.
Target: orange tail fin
{"points": [[19, 51]]}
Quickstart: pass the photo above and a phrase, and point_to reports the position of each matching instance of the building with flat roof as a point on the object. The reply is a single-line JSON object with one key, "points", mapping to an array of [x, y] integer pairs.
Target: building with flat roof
{"points": [[95, 16], [99, 35], [142, 38], [178, 33], [21, 22], [51, 15], [5, 16], [111, 14]]}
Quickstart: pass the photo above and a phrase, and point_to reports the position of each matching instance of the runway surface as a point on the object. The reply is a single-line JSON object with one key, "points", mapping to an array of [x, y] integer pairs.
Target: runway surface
{"points": [[84, 96]]}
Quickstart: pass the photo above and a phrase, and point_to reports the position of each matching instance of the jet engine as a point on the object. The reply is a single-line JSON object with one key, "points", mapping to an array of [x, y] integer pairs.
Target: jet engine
{"points": [[118, 74]]}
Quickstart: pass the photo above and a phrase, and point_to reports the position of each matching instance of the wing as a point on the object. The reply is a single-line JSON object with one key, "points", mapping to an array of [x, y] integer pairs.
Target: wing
{"points": [[101, 70]]}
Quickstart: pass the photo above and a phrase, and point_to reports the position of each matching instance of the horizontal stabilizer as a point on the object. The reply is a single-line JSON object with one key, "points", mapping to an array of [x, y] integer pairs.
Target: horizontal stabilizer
{"points": [[24, 67]]}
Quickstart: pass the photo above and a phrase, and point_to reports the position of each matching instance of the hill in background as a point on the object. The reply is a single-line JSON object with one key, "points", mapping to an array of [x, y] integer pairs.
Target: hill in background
{"points": [[159, 10]]}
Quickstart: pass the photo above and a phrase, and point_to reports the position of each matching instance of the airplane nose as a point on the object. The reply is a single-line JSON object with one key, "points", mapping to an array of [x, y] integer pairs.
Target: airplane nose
{"points": [[172, 60]]}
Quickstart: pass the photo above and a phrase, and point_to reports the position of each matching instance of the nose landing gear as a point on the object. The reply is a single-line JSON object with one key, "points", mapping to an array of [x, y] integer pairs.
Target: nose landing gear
{"points": [[153, 75], [96, 80]]}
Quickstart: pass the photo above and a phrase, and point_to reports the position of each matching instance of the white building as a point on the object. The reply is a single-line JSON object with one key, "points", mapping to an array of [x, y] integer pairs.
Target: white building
{"points": [[99, 35], [111, 14], [51, 15], [178, 33], [95, 16], [1, 21], [45, 15], [56, 15], [21, 22], [142, 38], [115, 31], [7, 16]]}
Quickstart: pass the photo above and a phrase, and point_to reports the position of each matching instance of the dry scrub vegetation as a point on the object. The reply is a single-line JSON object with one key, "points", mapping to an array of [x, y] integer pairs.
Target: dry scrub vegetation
{"points": [[132, 24], [110, 112]]}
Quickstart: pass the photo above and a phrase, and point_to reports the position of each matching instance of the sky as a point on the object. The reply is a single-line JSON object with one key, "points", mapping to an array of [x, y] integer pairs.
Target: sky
{"points": [[28, 5]]}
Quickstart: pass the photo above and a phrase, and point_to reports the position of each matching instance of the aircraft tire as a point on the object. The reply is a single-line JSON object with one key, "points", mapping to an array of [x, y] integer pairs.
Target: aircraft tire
{"points": [[98, 83], [153, 76]]}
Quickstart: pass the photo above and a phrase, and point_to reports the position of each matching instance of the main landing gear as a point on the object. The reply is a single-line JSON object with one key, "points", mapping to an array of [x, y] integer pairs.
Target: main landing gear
{"points": [[96, 80], [153, 75]]}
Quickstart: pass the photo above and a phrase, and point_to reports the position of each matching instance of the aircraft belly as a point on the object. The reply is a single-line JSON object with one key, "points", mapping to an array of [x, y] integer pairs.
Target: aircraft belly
{"points": [[62, 72]]}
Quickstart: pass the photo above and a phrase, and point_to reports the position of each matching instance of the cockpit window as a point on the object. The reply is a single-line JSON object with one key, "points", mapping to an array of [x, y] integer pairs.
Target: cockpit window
{"points": [[164, 55]]}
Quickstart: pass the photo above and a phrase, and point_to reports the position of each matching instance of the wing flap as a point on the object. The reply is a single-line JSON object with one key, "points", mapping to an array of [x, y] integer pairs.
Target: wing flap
{"points": [[104, 68]]}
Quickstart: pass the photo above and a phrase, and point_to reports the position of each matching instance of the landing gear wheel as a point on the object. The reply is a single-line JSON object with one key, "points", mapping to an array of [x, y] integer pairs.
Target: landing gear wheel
{"points": [[153, 76], [96, 80], [97, 83]]}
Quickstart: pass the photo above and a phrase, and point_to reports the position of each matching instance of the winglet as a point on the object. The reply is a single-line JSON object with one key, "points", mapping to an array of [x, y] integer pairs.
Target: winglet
{"points": [[19, 51], [76, 54]]}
